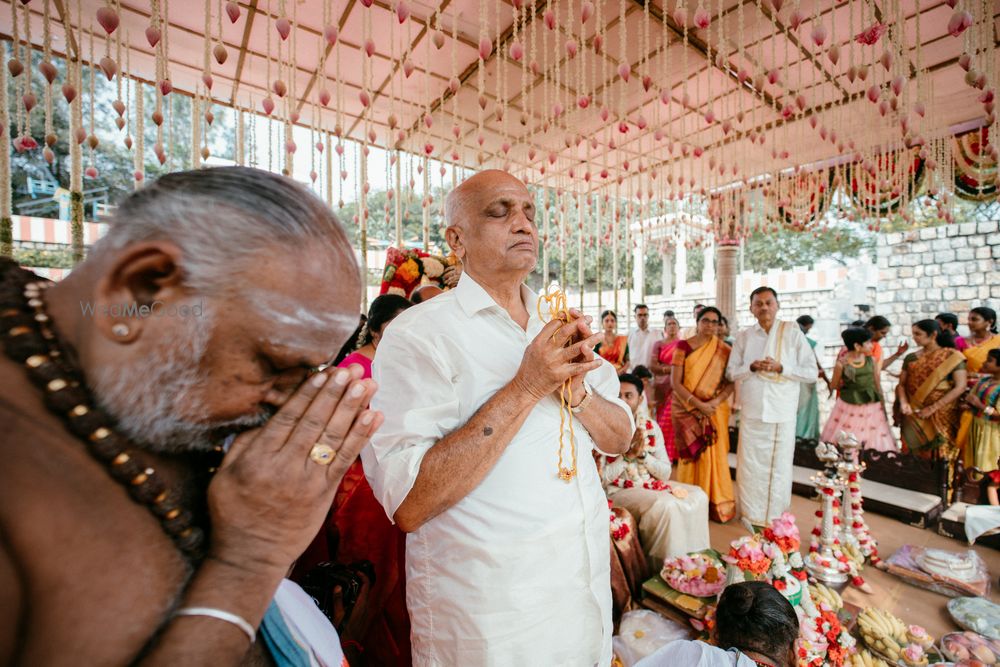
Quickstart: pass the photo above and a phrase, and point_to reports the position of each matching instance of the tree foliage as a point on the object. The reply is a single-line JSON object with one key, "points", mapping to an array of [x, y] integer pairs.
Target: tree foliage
{"points": [[786, 248], [114, 162]]}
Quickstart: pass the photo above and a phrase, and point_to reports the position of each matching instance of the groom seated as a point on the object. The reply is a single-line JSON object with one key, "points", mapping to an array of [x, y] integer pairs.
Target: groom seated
{"points": [[673, 517]]}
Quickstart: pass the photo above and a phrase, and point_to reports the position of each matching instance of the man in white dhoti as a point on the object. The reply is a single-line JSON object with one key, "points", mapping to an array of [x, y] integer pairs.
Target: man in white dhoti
{"points": [[770, 360], [673, 517], [507, 560]]}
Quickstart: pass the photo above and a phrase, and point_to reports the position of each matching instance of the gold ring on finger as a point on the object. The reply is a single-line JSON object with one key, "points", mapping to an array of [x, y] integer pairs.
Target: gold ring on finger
{"points": [[322, 454]]}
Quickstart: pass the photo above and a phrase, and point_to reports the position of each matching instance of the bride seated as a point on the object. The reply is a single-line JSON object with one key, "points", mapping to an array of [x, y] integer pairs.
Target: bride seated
{"points": [[673, 517]]}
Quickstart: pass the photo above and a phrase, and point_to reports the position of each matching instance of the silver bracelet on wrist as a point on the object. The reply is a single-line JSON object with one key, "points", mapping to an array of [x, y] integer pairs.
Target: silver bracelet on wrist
{"points": [[222, 615]]}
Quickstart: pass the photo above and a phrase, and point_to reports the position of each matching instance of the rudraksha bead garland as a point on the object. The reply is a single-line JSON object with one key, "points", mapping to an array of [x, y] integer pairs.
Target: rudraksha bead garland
{"points": [[29, 339]]}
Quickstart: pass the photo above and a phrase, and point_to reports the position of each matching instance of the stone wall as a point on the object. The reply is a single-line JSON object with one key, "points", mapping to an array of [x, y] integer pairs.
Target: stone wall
{"points": [[949, 268]]}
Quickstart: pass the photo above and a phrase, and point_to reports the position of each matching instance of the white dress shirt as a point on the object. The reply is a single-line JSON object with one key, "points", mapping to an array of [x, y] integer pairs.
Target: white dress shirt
{"points": [[640, 347], [518, 571], [771, 400]]}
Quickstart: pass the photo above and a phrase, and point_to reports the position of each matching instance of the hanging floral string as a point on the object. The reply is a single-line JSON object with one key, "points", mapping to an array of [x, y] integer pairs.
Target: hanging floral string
{"points": [[139, 156], [6, 222], [48, 70], [25, 141], [77, 137], [92, 140]]}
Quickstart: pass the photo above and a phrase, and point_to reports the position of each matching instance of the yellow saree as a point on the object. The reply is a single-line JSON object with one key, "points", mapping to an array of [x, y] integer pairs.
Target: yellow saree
{"points": [[975, 357], [706, 439]]}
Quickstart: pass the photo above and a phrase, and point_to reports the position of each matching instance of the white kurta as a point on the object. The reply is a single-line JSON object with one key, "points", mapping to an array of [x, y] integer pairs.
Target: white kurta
{"points": [[640, 347], [518, 571], [668, 526], [767, 417]]}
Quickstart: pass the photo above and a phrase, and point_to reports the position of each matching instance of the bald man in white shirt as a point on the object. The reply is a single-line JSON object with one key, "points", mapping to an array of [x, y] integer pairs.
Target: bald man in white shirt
{"points": [[507, 560]]}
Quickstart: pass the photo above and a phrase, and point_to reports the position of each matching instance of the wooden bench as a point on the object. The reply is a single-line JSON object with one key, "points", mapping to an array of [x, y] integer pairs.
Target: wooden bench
{"points": [[900, 486], [970, 490]]}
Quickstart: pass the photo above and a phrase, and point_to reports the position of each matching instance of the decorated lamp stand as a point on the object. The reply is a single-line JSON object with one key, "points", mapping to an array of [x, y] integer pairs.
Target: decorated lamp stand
{"points": [[855, 532], [826, 562]]}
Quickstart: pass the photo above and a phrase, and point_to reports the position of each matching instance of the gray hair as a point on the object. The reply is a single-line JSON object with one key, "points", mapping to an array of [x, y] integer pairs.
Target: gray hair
{"points": [[454, 205], [223, 219]]}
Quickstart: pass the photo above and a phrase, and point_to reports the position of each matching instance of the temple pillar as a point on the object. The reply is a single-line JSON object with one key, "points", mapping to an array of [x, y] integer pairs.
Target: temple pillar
{"points": [[725, 285]]}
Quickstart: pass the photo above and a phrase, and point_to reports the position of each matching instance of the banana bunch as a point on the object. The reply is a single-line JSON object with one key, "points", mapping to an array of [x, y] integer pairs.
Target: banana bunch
{"points": [[828, 596], [882, 632], [853, 553], [864, 658]]}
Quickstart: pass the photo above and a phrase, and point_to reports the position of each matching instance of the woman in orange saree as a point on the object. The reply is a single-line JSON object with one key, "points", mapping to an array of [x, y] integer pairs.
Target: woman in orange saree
{"points": [[613, 347], [929, 387], [983, 338], [700, 414]]}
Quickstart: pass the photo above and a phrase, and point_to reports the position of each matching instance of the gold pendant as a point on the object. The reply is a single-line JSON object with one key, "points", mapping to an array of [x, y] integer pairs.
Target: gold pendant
{"points": [[566, 474]]}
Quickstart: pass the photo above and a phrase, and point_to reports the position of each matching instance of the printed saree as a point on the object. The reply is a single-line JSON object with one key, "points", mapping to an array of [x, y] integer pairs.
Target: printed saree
{"points": [[984, 436], [975, 357], [665, 400], [928, 378]]}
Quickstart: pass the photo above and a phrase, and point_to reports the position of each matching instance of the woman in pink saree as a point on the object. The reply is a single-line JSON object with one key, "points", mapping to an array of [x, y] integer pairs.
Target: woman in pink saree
{"points": [[661, 365]]}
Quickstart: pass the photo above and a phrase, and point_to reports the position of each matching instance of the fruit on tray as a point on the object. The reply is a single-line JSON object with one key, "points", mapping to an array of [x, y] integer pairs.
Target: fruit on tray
{"points": [[971, 646], [865, 658], [828, 596], [915, 634], [883, 632], [695, 574], [913, 655]]}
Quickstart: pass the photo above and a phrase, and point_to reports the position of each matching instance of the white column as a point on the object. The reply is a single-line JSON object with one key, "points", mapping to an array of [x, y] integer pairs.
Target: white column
{"points": [[639, 266], [708, 270], [666, 273], [680, 266]]}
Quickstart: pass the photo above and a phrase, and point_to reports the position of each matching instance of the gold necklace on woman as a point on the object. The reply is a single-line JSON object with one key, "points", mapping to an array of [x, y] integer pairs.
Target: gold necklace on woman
{"points": [[855, 364]]}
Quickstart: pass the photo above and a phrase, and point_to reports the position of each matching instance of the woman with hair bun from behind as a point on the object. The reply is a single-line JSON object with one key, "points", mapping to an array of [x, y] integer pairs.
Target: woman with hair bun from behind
{"points": [[755, 627]]}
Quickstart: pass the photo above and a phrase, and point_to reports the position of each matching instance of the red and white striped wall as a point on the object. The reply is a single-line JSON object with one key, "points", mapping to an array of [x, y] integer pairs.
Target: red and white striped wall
{"points": [[48, 230]]}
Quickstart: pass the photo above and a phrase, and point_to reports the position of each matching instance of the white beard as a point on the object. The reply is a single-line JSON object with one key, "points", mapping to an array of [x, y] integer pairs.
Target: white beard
{"points": [[157, 404]]}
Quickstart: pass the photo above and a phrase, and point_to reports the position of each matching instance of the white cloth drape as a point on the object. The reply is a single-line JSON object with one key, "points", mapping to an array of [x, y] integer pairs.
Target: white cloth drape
{"points": [[764, 469], [686, 653]]}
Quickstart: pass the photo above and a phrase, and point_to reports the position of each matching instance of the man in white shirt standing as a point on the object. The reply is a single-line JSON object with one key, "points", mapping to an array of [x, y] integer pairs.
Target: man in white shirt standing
{"points": [[641, 339], [770, 360], [507, 559]]}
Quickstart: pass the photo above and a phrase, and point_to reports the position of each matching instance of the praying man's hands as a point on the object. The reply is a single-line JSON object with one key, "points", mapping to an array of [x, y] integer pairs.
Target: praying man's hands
{"points": [[270, 496], [559, 352]]}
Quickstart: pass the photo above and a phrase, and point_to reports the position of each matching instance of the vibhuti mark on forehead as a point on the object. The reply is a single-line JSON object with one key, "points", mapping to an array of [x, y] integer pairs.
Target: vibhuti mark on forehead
{"points": [[305, 325]]}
